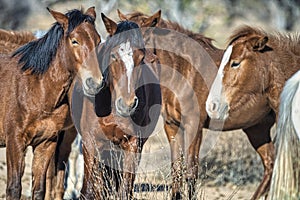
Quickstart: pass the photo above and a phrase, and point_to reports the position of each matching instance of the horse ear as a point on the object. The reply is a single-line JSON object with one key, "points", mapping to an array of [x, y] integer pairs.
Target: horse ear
{"points": [[153, 20], [121, 16], [260, 43], [91, 12], [110, 25], [60, 18]]}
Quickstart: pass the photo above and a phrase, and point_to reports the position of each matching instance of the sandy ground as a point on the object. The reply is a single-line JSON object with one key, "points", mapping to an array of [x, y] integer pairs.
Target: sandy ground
{"points": [[232, 168], [229, 191], [156, 169]]}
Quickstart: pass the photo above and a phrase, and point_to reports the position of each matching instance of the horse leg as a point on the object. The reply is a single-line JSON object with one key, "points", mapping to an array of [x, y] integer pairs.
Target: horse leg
{"points": [[175, 136], [44, 135], [63, 150], [260, 139], [15, 154], [192, 155], [50, 179], [132, 156], [42, 154], [89, 190]]}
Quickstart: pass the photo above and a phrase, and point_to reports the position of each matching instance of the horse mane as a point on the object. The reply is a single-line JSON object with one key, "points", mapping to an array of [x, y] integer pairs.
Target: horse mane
{"points": [[278, 39], [126, 31], [36, 56], [168, 24]]}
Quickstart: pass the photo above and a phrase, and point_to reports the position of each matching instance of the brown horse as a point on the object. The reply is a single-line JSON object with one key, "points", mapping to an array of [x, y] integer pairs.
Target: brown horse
{"points": [[174, 51], [9, 42], [123, 114], [35, 108], [250, 79], [286, 174]]}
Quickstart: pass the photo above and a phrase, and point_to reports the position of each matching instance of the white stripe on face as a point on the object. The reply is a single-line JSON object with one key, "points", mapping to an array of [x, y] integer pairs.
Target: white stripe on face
{"points": [[126, 54], [215, 93], [225, 60]]}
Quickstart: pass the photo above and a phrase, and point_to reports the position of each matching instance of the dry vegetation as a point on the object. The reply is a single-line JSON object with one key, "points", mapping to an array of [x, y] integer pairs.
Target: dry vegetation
{"points": [[230, 169]]}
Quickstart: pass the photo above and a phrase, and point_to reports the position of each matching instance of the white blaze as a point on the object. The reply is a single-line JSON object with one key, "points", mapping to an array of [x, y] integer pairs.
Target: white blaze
{"points": [[216, 88], [225, 60], [126, 54]]}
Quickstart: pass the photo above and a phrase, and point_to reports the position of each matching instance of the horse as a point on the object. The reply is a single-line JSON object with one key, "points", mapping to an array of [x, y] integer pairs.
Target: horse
{"points": [[249, 82], [123, 114], [35, 110], [9, 42], [182, 81], [175, 118], [286, 174]]}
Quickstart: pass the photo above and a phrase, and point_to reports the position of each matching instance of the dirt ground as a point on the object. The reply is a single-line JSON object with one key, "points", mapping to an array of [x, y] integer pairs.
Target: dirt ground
{"points": [[229, 169]]}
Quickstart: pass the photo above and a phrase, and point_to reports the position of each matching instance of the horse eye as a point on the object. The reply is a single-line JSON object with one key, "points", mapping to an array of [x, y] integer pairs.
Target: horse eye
{"points": [[235, 64], [74, 41], [113, 56], [130, 53]]}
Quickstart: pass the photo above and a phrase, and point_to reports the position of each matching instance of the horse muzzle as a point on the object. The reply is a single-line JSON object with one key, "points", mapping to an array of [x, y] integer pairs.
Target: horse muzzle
{"points": [[217, 109], [92, 87], [125, 110]]}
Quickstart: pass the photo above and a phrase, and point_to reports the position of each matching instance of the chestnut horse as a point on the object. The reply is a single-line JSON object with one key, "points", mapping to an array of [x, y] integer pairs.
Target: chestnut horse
{"points": [[286, 174], [250, 79], [175, 118], [35, 82], [9, 42], [122, 116]]}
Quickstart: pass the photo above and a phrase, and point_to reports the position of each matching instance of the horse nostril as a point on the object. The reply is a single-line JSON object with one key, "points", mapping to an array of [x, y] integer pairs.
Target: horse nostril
{"points": [[120, 104], [125, 109], [90, 82], [214, 107], [135, 103]]}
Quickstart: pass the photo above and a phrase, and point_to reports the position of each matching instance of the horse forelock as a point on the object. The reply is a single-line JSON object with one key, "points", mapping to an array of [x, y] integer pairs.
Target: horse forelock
{"points": [[126, 32], [36, 56], [76, 17], [278, 39]]}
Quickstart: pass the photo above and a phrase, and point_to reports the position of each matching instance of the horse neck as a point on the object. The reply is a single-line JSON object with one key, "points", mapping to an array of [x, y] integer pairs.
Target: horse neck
{"points": [[282, 65], [214, 52], [58, 78]]}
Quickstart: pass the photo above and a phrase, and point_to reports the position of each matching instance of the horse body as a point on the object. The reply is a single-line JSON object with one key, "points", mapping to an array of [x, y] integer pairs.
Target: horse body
{"points": [[188, 68], [177, 120], [121, 117], [34, 105], [250, 81]]}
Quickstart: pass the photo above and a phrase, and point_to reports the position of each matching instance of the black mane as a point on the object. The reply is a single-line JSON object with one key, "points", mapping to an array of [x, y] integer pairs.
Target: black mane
{"points": [[37, 55]]}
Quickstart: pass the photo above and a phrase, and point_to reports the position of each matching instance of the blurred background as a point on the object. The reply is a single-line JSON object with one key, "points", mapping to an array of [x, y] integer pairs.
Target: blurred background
{"points": [[214, 18], [232, 168]]}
